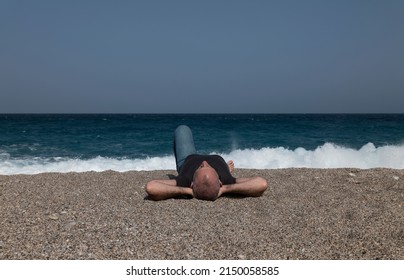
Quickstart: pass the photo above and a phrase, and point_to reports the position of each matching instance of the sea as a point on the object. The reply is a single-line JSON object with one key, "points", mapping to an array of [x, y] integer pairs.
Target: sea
{"points": [[38, 143]]}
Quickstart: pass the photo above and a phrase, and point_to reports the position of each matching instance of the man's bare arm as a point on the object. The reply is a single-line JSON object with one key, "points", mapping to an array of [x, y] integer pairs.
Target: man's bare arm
{"points": [[164, 189], [254, 186]]}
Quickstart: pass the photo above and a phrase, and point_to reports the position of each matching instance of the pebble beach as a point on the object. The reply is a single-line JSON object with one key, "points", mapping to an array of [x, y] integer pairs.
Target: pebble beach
{"points": [[305, 214]]}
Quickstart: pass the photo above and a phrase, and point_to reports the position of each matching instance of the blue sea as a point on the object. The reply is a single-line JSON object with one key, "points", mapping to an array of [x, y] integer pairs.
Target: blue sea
{"points": [[31, 144]]}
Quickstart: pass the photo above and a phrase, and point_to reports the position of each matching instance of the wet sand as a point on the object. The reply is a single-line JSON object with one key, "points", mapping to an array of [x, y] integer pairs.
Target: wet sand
{"points": [[304, 214]]}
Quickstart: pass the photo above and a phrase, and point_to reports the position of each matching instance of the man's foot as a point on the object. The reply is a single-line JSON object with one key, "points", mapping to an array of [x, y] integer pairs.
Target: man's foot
{"points": [[230, 163]]}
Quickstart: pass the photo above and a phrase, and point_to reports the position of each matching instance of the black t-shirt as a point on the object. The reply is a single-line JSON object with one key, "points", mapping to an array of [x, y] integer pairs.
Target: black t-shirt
{"points": [[191, 164]]}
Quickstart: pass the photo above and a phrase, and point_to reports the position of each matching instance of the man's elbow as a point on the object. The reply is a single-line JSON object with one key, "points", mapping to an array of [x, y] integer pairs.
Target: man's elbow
{"points": [[262, 185], [151, 190]]}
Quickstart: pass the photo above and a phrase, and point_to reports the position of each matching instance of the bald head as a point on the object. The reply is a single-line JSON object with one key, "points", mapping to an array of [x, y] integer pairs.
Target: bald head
{"points": [[206, 183]]}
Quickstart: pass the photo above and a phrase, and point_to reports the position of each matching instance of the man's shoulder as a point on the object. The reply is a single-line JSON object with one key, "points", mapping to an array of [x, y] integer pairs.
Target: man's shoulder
{"points": [[198, 158], [203, 157]]}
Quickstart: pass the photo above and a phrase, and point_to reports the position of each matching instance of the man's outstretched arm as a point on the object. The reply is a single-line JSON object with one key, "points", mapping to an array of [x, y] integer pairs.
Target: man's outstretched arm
{"points": [[254, 186], [164, 189]]}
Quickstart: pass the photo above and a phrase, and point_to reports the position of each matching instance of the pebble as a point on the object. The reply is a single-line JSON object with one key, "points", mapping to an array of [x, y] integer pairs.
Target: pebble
{"points": [[53, 216], [352, 174], [70, 224], [396, 178]]}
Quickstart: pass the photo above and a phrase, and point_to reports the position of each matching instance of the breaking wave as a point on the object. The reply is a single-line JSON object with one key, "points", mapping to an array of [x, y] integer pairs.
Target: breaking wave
{"points": [[326, 156]]}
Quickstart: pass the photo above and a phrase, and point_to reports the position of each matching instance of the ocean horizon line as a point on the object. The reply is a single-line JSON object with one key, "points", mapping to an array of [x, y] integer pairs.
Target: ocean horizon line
{"points": [[106, 113]]}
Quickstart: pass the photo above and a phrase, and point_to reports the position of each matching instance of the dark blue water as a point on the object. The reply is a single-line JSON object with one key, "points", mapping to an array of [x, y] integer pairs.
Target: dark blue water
{"points": [[46, 138]]}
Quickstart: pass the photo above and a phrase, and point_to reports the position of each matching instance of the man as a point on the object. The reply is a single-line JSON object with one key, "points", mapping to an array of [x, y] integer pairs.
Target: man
{"points": [[204, 177]]}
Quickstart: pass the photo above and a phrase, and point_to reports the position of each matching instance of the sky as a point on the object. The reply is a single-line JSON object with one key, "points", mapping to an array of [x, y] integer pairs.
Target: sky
{"points": [[201, 56]]}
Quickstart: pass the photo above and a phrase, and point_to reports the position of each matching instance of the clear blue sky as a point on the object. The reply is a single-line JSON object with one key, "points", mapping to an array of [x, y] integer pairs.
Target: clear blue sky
{"points": [[201, 56]]}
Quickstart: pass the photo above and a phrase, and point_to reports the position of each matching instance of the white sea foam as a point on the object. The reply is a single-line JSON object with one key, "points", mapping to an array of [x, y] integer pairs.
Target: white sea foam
{"points": [[325, 156]]}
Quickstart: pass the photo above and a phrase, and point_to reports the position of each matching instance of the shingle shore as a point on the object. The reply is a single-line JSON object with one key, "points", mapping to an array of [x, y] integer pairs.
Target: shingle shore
{"points": [[304, 214]]}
